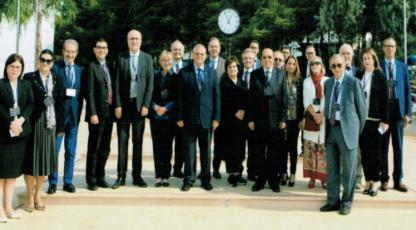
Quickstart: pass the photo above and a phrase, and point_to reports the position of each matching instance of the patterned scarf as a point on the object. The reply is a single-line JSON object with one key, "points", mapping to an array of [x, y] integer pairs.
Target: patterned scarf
{"points": [[50, 110], [316, 78]]}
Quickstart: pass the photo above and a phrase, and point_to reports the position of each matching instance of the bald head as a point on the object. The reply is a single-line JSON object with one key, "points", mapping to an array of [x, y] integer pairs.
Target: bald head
{"points": [[134, 40], [267, 58], [337, 65]]}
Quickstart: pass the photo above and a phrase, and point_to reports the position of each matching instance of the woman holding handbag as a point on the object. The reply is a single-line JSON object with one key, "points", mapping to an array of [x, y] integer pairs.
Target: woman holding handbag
{"points": [[314, 159]]}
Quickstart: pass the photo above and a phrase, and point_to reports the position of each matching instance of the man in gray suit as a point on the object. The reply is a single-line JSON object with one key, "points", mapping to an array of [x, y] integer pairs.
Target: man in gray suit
{"points": [[133, 89], [345, 109]]}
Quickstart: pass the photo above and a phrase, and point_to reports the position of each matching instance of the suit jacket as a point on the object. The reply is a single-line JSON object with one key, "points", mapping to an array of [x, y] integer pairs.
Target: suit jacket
{"points": [[353, 110], [267, 111], [220, 67], [233, 98], [303, 64], [378, 95], [24, 101], [403, 88], [299, 97], [97, 93], [166, 86], [72, 105], [123, 78], [39, 95], [198, 107]]}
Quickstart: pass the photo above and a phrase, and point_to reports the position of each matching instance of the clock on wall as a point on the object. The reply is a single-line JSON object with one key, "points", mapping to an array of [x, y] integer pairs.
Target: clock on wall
{"points": [[228, 21]]}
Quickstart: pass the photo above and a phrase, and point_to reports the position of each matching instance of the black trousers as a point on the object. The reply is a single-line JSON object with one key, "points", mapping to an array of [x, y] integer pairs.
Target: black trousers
{"points": [[99, 140], [179, 161], [192, 134], [291, 143], [251, 149], [218, 154], [371, 150], [269, 155], [163, 132], [232, 144]]}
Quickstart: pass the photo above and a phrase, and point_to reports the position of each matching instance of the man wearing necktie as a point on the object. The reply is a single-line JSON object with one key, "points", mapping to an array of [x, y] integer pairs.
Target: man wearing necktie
{"points": [[255, 47], [68, 70], [216, 63], [345, 109], [99, 115], [266, 119], [348, 53], [399, 113], [133, 89], [178, 49], [198, 107]]}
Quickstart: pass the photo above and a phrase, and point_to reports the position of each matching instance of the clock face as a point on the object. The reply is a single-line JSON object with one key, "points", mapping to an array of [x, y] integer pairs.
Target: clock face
{"points": [[228, 21]]}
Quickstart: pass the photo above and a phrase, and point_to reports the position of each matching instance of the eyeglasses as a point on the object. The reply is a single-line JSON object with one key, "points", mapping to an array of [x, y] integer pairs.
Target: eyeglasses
{"points": [[315, 63], [334, 66], [44, 60], [101, 47], [310, 53], [278, 59], [267, 57], [389, 46]]}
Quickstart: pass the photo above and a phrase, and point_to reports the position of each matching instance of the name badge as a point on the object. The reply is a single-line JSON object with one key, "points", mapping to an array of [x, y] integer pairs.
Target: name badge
{"points": [[336, 108], [268, 92], [48, 101], [71, 92], [164, 94], [14, 112], [316, 101]]}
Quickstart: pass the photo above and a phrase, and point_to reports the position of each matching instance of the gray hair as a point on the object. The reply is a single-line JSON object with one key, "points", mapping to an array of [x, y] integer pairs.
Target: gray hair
{"points": [[346, 46], [70, 41]]}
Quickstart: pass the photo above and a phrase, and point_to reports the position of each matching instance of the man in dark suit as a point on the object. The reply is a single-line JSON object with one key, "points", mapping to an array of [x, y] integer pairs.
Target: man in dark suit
{"points": [[198, 112], [267, 118], [399, 113], [304, 65], [133, 88], [71, 75], [346, 111], [218, 64], [98, 116], [178, 49]]}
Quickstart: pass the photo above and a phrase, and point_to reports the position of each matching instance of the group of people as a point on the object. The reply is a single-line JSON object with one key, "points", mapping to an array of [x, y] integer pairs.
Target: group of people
{"points": [[259, 105]]}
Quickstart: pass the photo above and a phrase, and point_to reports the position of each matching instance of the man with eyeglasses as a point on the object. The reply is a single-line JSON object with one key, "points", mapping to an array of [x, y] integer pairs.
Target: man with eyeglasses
{"points": [[70, 72], [345, 111], [399, 114], [133, 89], [99, 115], [267, 119], [304, 64], [279, 61]]}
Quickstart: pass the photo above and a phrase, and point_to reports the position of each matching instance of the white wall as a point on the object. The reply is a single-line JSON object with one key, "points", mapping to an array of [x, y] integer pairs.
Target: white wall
{"points": [[27, 41]]}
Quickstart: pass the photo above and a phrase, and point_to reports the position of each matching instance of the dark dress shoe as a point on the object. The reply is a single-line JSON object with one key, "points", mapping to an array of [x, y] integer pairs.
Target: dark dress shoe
{"points": [[216, 175], [69, 188], [139, 182], [329, 208], [158, 184], [102, 184], [383, 186], [92, 187], [400, 187], [178, 174], [186, 187], [251, 177], [165, 184], [257, 187], [284, 179], [373, 193], [51, 189], [344, 210], [275, 189], [207, 186], [119, 182], [232, 180], [366, 191], [241, 180], [291, 184]]}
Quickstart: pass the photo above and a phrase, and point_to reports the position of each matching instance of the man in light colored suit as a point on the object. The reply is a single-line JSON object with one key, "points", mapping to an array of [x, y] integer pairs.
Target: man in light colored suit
{"points": [[345, 109]]}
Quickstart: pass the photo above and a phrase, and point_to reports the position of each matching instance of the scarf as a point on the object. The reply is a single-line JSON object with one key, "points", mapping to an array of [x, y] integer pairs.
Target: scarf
{"points": [[316, 78], [50, 110]]}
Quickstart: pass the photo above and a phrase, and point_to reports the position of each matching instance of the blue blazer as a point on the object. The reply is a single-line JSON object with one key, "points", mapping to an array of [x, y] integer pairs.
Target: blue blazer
{"points": [[198, 107], [72, 105], [402, 88], [353, 109]]}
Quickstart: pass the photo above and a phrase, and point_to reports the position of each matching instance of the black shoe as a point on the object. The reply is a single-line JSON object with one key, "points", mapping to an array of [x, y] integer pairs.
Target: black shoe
{"points": [[232, 180], [276, 188], [251, 177], [139, 182], [119, 182], [102, 184], [329, 208], [51, 189], [291, 184], [165, 184], [384, 186], [178, 174], [373, 193], [92, 187], [158, 184], [400, 187], [241, 180], [207, 186], [186, 187], [216, 175], [199, 176], [284, 179], [69, 188], [366, 191], [257, 187], [344, 210]]}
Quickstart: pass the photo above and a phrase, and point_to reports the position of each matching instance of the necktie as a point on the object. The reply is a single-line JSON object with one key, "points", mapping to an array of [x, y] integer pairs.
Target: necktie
{"points": [[334, 104], [268, 76], [245, 78], [176, 68], [70, 75], [107, 81], [200, 77], [134, 63], [391, 85], [212, 64]]}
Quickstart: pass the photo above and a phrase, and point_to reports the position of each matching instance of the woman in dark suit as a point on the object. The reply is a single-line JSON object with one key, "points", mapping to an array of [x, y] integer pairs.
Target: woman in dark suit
{"points": [[162, 120], [47, 120], [231, 129], [16, 103], [294, 95], [375, 88]]}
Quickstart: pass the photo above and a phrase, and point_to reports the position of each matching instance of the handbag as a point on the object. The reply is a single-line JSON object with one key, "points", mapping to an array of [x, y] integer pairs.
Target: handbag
{"points": [[310, 124]]}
